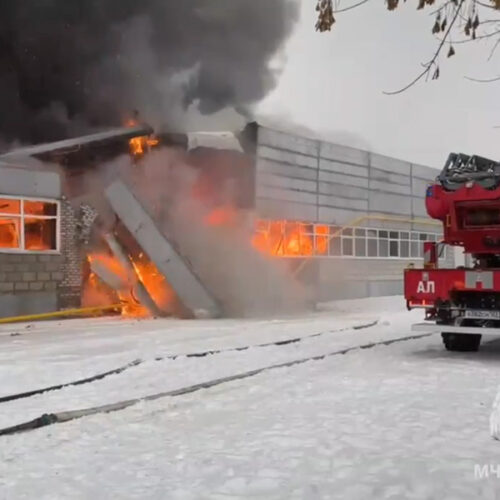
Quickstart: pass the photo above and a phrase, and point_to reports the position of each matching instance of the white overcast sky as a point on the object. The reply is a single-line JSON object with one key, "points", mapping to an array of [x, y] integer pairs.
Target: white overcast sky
{"points": [[333, 84]]}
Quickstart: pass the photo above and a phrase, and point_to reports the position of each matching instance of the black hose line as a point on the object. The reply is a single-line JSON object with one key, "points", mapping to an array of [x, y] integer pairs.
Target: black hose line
{"points": [[137, 362], [100, 376], [53, 418]]}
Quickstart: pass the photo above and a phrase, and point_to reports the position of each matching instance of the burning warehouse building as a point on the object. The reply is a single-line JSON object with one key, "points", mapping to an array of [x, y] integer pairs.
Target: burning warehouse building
{"points": [[220, 224]]}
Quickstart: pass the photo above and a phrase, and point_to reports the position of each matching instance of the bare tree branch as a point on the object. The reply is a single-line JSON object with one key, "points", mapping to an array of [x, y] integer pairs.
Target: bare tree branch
{"points": [[464, 16], [472, 40], [432, 62], [487, 6], [494, 49], [345, 9]]}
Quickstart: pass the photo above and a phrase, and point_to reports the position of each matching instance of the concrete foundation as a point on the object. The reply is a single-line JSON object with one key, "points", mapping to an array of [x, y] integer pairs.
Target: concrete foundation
{"points": [[22, 304]]}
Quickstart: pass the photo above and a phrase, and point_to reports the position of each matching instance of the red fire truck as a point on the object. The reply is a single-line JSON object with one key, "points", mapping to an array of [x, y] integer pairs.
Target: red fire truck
{"points": [[461, 303]]}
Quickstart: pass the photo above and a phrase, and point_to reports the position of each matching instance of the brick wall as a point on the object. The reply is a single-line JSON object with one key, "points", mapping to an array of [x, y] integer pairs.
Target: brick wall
{"points": [[29, 275], [69, 287]]}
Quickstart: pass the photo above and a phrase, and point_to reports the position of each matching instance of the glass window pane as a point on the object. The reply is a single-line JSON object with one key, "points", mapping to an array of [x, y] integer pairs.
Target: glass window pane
{"points": [[40, 208], [334, 230], [335, 247], [321, 239], [404, 236], [372, 248], [423, 237], [383, 248], [394, 235], [372, 233], [393, 249], [421, 251], [347, 231], [10, 206], [40, 234], [414, 248], [404, 249], [9, 232], [431, 237], [383, 234], [414, 236], [360, 232], [360, 247], [347, 244]]}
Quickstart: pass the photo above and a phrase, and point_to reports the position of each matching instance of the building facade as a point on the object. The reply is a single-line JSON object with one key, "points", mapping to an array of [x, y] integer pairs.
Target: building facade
{"points": [[365, 212], [40, 263], [360, 218]]}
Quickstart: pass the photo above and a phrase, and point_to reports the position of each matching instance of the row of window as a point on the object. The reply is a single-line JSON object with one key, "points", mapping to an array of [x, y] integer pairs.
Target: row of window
{"points": [[34, 225], [29, 225], [294, 239]]}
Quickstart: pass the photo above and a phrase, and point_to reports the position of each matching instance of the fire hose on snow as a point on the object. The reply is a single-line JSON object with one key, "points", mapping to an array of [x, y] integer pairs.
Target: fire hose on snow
{"points": [[61, 417]]}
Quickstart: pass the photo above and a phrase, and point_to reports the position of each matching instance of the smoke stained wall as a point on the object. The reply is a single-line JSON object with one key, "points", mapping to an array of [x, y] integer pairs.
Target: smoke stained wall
{"points": [[70, 67]]}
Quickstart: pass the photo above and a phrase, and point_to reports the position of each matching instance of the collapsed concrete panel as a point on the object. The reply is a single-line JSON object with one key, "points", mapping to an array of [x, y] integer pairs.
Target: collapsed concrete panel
{"points": [[190, 290]]}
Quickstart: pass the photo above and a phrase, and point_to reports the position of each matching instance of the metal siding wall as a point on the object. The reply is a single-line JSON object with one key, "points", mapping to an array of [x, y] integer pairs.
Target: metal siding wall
{"points": [[287, 176], [17, 181], [312, 180], [304, 179]]}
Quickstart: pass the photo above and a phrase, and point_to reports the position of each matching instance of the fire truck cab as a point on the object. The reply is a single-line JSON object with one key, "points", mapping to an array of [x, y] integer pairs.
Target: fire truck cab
{"points": [[462, 303]]}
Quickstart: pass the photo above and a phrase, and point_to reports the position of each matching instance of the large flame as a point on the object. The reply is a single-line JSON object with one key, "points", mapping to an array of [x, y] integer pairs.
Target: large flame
{"points": [[118, 279], [287, 239], [154, 282], [122, 281]]}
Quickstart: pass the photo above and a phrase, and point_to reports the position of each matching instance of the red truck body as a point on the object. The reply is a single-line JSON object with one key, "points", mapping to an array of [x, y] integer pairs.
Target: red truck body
{"points": [[463, 303]]}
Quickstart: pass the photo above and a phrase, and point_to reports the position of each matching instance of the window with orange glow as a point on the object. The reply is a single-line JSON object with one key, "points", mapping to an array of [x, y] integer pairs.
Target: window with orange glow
{"points": [[29, 225], [282, 238]]}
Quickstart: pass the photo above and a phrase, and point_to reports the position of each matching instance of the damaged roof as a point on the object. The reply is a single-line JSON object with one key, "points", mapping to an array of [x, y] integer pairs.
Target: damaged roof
{"points": [[70, 146]]}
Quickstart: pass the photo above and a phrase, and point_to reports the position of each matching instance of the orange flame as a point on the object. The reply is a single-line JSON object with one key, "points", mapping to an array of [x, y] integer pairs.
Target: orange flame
{"points": [[124, 281], [284, 239], [9, 233], [139, 145], [222, 216], [96, 291], [322, 239], [154, 282]]}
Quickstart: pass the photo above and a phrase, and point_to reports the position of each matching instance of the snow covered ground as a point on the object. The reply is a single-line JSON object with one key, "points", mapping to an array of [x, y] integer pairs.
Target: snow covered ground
{"points": [[408, 420]]}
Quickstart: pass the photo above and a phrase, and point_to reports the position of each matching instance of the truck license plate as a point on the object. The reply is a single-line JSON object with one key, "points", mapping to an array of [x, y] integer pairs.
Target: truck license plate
{"points": [[482, 314]]}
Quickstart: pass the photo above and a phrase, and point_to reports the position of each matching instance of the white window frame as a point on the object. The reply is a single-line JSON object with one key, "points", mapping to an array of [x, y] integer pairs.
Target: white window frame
{"points": [[352, 237], [21, 217]]}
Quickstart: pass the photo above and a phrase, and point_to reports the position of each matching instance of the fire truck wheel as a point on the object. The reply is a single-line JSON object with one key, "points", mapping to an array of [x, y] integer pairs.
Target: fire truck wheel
{"points": [[461, 342]]}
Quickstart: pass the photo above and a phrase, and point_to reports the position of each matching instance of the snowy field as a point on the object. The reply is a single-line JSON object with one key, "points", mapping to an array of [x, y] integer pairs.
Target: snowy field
{"points": [[406, 420]]}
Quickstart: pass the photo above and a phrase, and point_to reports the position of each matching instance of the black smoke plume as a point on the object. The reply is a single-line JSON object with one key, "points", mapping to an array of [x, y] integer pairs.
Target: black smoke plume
{"points": [[73, 66]]}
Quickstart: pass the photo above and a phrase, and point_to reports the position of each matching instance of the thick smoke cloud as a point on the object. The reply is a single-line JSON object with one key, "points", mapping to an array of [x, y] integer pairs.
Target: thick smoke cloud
{"points": [[70, 66]]}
